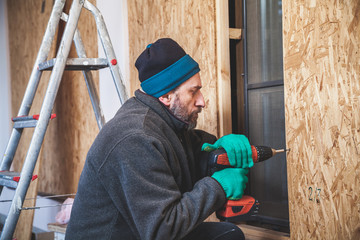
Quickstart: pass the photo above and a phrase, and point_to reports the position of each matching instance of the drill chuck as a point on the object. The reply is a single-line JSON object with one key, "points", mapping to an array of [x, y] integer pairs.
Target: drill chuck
{"points": [[261, 153]]}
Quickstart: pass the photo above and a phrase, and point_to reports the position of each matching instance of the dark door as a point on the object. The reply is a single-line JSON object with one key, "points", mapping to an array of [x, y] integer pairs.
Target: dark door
{"points": [[258, 101]]}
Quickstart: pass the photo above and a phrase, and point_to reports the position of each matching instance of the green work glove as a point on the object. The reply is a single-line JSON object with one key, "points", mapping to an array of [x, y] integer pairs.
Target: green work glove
{"points": [[237, 148], [233, 181]]}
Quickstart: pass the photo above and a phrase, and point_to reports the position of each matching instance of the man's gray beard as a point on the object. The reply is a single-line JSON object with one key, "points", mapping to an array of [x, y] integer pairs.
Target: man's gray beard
{"points": [[180, 111]]}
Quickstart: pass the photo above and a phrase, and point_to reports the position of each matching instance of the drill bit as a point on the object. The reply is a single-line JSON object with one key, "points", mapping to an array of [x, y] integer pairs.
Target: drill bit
{"points": [[282, 150]]}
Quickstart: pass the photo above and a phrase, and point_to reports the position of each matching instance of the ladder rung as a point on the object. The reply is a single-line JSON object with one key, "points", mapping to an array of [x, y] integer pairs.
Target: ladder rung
{"points": [[27, 121], [79, 64], [7, 179], [10, 179]]}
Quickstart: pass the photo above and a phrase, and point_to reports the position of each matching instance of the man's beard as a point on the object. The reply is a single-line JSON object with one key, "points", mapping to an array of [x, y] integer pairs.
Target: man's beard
{"points": [[180, 111]]}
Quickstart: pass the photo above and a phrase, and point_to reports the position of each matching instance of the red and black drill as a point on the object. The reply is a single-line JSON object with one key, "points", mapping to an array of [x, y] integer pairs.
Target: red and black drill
{"points": [[246, 208]]}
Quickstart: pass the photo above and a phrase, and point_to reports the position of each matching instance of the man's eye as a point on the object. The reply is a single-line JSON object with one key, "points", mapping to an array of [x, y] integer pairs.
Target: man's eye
{"points": [[194, 91]]}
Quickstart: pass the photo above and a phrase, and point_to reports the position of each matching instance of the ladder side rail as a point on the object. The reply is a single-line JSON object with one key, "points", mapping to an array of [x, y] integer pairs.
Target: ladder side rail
{"points": [[33, 82], [109, 52], [40, 129], [80, 49]]}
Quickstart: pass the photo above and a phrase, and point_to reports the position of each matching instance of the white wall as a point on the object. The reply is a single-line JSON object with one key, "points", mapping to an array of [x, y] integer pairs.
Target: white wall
{"points": [[5, 100], [116, 20]]}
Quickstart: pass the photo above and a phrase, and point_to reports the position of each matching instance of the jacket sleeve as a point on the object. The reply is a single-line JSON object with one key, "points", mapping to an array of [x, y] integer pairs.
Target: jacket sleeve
{"points": [[144, 190]]}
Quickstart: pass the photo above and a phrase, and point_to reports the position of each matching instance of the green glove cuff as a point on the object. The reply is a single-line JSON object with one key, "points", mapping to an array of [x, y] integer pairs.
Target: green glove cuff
{"points": [[233, 181], [207, 147]]}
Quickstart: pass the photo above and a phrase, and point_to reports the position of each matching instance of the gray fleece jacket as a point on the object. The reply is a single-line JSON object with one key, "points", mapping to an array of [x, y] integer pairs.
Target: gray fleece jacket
{"points": [[142, 178]]}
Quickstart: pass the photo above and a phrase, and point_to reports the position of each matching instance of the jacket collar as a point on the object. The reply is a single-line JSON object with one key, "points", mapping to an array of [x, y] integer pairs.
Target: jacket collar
{"points": [[164, 112]]}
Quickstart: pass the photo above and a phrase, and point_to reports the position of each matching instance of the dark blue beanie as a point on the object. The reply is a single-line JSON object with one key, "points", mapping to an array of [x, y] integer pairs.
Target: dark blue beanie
{"points": [[163, 66]]}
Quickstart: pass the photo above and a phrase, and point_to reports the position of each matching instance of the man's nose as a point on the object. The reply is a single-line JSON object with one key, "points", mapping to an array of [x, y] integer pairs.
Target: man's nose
{"points": [[200, 102]]}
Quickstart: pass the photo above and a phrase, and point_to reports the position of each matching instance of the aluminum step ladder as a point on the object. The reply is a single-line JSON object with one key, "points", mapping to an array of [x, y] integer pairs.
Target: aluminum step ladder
{"points": [[21, 181]]}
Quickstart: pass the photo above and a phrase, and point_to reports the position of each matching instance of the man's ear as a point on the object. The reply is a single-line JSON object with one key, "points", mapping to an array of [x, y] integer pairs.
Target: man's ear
{"points": [[166, 99]]}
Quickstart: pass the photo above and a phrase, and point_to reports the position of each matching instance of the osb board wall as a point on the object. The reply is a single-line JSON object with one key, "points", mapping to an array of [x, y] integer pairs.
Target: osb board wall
{"points": [[190, 23], [24, 40], [322, 106], [71, 133]]}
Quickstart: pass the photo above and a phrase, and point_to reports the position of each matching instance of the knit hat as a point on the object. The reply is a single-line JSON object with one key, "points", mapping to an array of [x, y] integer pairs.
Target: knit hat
{"points": [[163, 66]]}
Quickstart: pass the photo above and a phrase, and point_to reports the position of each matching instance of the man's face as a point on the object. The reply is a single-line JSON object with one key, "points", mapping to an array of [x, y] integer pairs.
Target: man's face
{"points": [[187, 101]]}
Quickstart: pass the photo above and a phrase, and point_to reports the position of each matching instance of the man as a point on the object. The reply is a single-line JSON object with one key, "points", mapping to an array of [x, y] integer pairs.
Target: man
{"points": [[142, 177]]}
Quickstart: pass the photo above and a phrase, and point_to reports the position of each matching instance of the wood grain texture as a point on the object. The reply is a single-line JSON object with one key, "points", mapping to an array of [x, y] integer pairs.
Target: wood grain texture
{"points": [[70, 135], [322, 106], [235, 33], [27, 23], [193, 25], [257, 233], [223, 67]]}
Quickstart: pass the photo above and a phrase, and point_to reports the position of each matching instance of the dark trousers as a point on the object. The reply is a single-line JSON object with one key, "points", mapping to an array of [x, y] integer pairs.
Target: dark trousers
{"points": [[216, 231]]}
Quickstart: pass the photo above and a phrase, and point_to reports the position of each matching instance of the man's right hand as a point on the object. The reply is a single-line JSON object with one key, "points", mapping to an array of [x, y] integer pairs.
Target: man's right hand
{"points": [[233, 181], [237, 148]]}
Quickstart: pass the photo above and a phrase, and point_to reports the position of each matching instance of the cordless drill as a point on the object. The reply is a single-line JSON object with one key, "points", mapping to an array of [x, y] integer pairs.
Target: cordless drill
{"points": [[246, 208]]}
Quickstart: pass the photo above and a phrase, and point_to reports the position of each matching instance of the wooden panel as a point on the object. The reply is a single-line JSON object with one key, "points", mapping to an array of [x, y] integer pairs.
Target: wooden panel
{"points": [[257, 233], [24, 41], [57, 227], [71, 134], [193, 25], [322, 101], [223, 66], [235, 33]]}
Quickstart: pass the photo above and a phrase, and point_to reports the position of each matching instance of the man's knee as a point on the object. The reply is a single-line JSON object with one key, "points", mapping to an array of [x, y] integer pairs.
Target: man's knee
{"points": [[233, 232], [216, 231]]}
